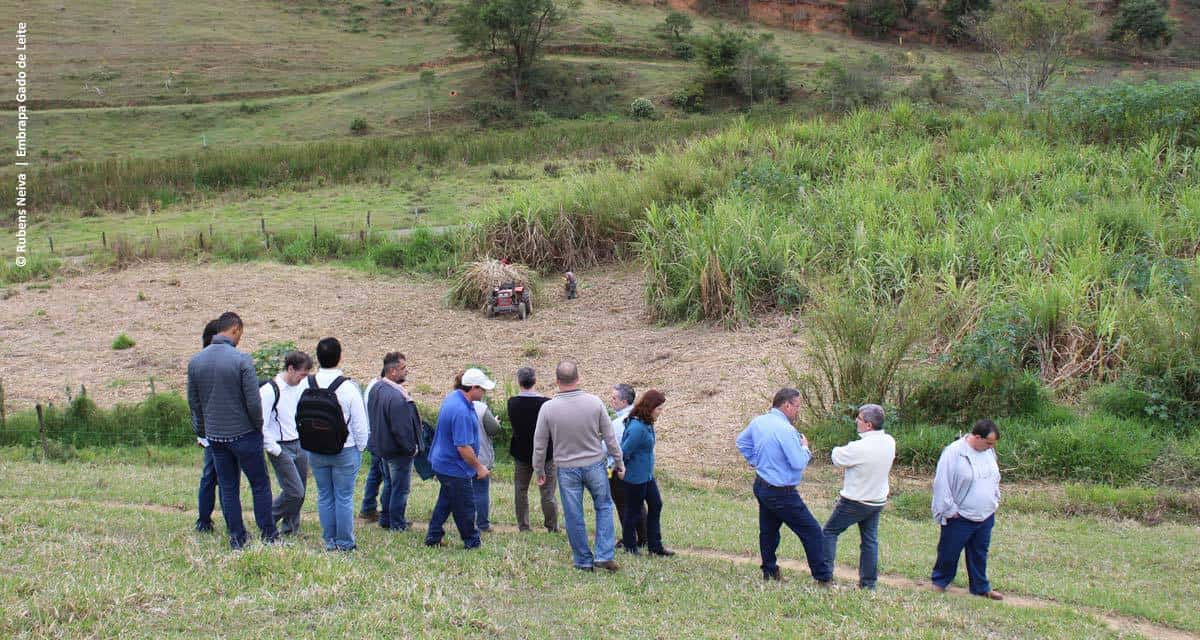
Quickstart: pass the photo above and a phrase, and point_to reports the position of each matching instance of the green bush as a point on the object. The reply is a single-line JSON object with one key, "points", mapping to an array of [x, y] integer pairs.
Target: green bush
{"points": [[848, 86], [268, 359], [689, 98], [961, 396], [1096, 448], [36, 268], [873, 18], [642, 109], [1143, 21], [953, 12], [162, 419], [358, 126], [744, 63], [122, 342], [683, 49]]}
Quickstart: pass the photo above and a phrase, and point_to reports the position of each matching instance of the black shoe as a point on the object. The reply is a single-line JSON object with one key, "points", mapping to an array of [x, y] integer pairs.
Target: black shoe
{"points": [[589, 569], [204, 528], [773, 575], [633, 551], [666, 553]]}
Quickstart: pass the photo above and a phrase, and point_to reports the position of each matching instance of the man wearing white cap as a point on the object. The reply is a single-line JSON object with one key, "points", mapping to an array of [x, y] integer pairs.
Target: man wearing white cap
{"points": [[454, 457]]}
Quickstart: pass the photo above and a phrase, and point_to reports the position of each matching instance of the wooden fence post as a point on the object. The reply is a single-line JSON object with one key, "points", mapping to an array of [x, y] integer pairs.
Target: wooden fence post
{"points": [[42, 431], [262, 223], [157, 232], [368, 219], [103, 239], [3, 417], [51, 243]]}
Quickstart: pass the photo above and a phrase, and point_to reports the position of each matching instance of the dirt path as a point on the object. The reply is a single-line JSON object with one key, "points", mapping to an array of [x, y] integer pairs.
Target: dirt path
{"points": [[714, 379], [847, 575]]}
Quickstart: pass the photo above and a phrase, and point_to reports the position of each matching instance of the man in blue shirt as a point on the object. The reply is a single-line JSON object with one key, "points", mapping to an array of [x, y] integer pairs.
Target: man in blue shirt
{"points": [[454, 457], [778, 454]]}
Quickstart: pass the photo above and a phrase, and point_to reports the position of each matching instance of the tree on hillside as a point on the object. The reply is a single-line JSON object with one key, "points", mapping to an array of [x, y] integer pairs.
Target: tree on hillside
{"points": [[512, 32], [1028, 42], [1145, 21], [677, 24], [954, 11], [430, 84], [748, 64]]}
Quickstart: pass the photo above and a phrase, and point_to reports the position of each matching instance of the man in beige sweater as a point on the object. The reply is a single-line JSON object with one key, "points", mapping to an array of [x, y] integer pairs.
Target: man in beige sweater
{"points": [[578, 424]]}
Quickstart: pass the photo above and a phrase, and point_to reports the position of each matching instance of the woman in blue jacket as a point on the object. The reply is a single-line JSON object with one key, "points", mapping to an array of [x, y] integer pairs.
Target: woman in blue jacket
{"points": [[637, 448]]}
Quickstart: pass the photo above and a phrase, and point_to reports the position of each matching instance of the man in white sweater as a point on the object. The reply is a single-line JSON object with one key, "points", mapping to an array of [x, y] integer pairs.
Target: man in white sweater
{"points": [[867, 462]]}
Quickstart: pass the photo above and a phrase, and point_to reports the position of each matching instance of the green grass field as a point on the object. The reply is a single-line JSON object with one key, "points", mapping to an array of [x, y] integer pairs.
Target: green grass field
{"points": [[106, 549]]}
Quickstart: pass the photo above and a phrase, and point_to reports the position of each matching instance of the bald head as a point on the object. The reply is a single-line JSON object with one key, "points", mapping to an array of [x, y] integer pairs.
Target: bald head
{"points": [[567, 372]]}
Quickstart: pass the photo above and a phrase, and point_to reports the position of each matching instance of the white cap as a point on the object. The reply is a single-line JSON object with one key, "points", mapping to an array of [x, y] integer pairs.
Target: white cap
{"points": [[475, 378]]}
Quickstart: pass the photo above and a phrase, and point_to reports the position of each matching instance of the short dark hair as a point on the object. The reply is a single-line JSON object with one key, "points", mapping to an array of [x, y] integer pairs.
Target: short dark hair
{"points": [[644, 409], [329, 352], [526, 377], [391, 361], [297, 360], [625, 392], [784, 396], [210, 330], [984, 428], [227, 321], [566, 372]]}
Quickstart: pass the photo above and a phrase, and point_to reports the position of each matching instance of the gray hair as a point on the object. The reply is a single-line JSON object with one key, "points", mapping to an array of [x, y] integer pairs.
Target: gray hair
{"points": [[567, 372], [784, 396], [872, 414], [526, 377], [625, 393]]}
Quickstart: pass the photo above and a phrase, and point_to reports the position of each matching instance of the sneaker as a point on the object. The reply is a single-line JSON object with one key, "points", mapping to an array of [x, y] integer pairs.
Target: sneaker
{"points": [[993, 595], [608, 565], [666, 553]]}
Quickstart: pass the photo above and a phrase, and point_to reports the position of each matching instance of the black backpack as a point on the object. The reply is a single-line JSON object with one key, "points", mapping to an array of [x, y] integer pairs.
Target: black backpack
{"points": [[319, 418], [274, 405]]}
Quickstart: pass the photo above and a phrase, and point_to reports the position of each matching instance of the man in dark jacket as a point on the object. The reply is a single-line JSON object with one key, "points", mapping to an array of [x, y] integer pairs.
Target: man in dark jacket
{"points": [[395, 437], [523, 413], [226, 411]]}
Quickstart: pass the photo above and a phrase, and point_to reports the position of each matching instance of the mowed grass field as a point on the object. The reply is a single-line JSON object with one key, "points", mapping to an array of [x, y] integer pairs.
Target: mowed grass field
{"points": [[106, 549]]}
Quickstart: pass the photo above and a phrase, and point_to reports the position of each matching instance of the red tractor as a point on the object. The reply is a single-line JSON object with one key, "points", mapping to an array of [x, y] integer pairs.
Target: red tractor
{"points": [[509, 298]]}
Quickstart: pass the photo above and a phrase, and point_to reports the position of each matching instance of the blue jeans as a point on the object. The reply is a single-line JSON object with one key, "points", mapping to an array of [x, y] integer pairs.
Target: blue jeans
{"points": [[456, 497], [975, 537], [778, 506], [371, 487], [335, 477], [642, 499], [845, 514], [393, 503], [483, 500], [206, 498], [230, 460], [571, 483]]}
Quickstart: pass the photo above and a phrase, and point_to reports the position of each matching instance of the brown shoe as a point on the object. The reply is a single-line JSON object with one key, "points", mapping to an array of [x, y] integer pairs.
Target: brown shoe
{"points": [[937, 589], [372, 516], [993, 595], [775, 575], [609, 565]]}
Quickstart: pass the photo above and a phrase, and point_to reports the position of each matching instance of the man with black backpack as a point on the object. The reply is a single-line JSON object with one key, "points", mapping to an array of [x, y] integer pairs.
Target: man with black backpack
{"points": [[395, 438], [223, 397], [332, 425], [280, 398]]}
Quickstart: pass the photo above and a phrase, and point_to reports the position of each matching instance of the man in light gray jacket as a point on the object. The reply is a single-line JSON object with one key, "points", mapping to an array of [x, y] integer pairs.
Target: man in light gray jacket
{"points": [[226, 411], [579, 426], [966, 494]]}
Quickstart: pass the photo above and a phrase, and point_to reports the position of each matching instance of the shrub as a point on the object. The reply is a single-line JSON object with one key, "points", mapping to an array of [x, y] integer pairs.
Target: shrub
{"points": [[873, 17], [122, 342], [36, 268], [942, 88], [689, 98], [849, 86], [747, 64], [960, 396], [642, 109], [268, 359], [1143, 21], [358, 126], [683, 49], [953, 12], [1095, 448]]}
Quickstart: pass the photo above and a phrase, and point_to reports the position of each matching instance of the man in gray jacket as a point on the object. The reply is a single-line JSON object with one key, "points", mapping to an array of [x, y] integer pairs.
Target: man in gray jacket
{"points": [[223, 396], [579, 426], [395, 437]]}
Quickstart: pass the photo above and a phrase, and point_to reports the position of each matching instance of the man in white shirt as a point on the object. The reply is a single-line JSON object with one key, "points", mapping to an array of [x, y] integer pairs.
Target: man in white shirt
{"points": [[966, 494], [621, 398], [335, 475], [279, 396], [867, 462]]}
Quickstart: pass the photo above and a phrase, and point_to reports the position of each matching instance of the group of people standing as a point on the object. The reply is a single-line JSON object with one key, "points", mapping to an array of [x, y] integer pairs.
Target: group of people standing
{"points": [[569, 440]]}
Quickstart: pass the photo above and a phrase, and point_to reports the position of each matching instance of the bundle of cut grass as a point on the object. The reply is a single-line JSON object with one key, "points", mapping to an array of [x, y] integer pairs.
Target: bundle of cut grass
{"points": [[473, 281]]}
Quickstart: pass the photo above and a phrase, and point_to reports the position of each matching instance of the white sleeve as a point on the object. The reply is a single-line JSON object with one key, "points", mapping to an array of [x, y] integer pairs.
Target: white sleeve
{"points": [[266, 394], [357, 421]]}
